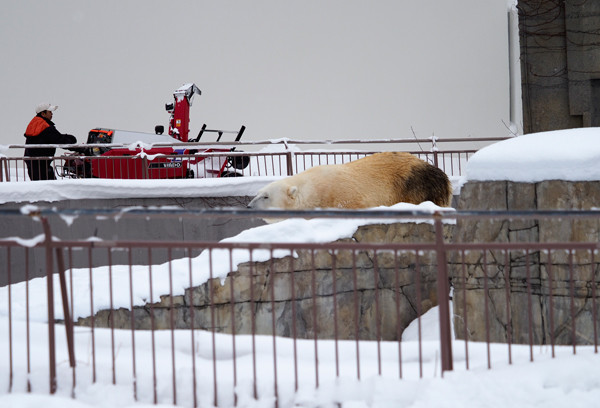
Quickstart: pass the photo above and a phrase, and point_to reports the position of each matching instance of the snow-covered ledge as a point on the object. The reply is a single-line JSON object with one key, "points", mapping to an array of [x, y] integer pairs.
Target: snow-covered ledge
{"points": [[76, 189], [557, 170], [570, 155]]}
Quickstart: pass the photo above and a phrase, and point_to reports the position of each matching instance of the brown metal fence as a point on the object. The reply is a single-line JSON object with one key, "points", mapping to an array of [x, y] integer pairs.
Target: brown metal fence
{"points": [[207, 163], [306, 298]]}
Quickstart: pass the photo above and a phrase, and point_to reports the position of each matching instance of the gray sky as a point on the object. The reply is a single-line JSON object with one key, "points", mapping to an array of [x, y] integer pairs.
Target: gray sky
{"points": [[302, 69]]}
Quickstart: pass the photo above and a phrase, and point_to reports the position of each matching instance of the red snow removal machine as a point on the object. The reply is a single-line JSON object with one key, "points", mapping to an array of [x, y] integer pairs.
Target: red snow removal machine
{"points": [[119, 154]]}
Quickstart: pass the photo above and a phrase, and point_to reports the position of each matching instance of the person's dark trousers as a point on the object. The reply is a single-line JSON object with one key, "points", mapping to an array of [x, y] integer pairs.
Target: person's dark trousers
{"points": [[40, 169]]}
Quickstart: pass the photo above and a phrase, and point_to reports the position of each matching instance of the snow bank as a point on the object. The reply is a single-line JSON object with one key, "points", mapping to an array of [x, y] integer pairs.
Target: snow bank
{"points": [[569, 380], [72, 189], [572, 155]]}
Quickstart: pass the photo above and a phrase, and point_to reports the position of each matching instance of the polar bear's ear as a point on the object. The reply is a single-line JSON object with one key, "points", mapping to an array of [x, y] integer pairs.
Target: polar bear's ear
{"points": [[292, 192]]}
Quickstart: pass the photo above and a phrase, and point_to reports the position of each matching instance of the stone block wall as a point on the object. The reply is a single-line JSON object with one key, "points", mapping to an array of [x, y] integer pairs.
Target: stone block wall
{"points": [[546, 289], [369, 295], [377, 296]]}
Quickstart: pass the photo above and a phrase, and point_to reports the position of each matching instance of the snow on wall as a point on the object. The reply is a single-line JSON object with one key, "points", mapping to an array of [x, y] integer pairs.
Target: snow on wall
{"points": [[572, 155]]}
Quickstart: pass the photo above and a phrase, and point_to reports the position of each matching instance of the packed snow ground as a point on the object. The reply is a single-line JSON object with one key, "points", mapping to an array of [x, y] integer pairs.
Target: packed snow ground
{"points": [[567, 380]]}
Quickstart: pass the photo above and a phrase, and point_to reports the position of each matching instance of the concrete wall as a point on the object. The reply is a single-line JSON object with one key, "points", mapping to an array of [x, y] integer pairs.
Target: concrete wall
{"points": [[113, 228]]}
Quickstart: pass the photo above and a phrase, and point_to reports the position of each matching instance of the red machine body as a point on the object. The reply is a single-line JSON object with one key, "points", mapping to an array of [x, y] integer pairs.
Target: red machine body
{"points": [[179, 123], [142, 160]]}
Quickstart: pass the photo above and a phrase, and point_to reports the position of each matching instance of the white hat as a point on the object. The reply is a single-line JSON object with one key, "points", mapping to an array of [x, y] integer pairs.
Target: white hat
{"points": [[45, 107]]}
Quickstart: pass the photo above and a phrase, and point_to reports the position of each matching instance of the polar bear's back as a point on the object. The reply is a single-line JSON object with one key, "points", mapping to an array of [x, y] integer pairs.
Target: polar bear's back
{"points": [[379, 179]]}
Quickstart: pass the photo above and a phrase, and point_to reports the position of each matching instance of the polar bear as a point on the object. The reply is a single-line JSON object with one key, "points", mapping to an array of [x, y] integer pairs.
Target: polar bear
{"points": [[381, 179]]}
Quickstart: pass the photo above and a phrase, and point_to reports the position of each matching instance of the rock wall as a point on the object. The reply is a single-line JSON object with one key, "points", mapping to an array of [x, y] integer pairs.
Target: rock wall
{"points": [[377, 295], [538, 286], [370, 295]]}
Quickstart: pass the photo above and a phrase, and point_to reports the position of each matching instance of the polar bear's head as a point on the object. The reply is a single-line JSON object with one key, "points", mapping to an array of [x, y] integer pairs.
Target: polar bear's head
{"points": [[278, 194]]}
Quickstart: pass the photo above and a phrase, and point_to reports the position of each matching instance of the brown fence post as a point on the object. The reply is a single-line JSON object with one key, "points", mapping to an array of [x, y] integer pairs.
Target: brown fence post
{"points": [[443, 291], [288, 160], [65, 301], [434, 150], [5, 169], [145, 172], [50, 286]]}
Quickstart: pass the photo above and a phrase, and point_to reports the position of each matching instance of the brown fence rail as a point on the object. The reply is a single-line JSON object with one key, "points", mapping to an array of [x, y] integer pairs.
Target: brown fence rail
{"points": [[207, 163], [291, 315]]}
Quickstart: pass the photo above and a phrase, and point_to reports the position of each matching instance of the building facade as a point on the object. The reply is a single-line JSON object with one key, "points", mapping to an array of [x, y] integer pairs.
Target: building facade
{"points": [[560, 63]]}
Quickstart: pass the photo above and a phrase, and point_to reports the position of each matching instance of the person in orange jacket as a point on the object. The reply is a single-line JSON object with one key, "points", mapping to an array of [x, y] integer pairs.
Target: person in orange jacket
{"points": [[41, 130]]}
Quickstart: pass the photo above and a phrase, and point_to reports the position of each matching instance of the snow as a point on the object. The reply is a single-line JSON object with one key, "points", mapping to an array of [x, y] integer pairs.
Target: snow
{"points": [[545, 383], [569, 379], [572, 155], [71, 189]]}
